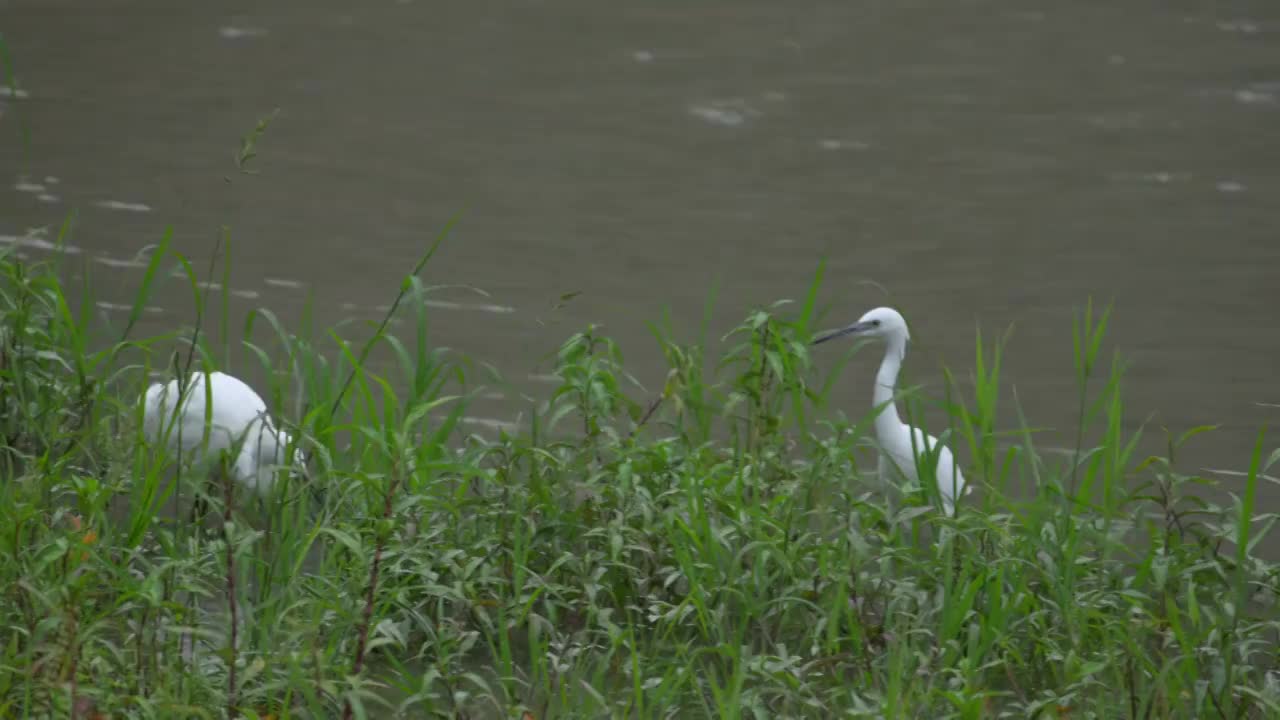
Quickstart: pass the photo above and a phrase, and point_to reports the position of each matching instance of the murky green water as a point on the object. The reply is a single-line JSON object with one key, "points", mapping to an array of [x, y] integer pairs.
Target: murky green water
{"points": [[990, 162]]}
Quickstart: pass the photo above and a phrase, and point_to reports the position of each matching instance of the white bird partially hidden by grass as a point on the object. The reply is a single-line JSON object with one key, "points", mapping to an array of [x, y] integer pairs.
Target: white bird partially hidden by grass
{"points": [[901, 444], [238, 422]]}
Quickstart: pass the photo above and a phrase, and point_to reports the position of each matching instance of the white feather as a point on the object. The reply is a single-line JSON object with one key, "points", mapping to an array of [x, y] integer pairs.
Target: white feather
{"points": [[237, 415], [901, 444]]}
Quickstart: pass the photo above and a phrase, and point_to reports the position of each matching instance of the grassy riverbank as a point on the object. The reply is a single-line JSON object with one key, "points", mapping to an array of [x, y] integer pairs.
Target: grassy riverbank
{"points": [[706, 550]]}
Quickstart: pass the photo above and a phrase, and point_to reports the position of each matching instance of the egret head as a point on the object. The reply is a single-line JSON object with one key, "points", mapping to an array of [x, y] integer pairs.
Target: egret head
{"points": [[882, 322]]}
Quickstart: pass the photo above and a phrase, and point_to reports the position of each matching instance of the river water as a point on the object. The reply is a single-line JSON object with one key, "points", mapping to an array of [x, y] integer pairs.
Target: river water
{"points": [[964, 160]]}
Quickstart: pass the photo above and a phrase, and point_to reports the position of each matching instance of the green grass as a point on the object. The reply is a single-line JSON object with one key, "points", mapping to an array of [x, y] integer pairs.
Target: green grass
{"points": [[709, 550]]}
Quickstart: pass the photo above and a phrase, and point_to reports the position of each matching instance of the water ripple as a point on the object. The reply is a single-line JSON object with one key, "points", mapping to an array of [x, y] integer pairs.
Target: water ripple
{"points": [[118, 263], [491, 423], [123, 206], [36, 242], [232, 32], [117, 307], [481, 307], [733, 112], [451, 305], [1247, 27]]}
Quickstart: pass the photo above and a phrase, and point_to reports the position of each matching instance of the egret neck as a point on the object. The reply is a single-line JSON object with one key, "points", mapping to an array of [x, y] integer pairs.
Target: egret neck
{"points": [[887, 421]]}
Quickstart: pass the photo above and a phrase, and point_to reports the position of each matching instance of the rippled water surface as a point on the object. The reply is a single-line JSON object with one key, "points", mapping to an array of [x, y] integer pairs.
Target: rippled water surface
{"points": [[992, 162]]}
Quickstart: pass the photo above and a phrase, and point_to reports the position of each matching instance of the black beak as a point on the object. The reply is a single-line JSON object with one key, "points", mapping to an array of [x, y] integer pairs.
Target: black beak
{"points": [[850, 330]]}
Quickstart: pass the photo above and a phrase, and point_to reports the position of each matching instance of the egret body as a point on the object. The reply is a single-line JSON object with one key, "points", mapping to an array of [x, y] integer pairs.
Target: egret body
{"points": [[901, 444], [237, 419]]}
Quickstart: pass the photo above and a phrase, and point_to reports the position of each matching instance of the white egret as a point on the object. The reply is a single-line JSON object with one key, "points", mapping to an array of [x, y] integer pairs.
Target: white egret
{"points": [[238, 418], [900, 444]]}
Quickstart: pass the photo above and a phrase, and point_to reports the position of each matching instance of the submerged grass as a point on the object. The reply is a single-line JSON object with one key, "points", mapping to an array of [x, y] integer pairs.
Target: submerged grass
{"points": [[711, 551]]}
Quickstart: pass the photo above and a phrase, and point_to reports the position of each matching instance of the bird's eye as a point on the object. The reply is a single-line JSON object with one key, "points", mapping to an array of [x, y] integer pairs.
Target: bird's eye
{"points": [[875, 323]]}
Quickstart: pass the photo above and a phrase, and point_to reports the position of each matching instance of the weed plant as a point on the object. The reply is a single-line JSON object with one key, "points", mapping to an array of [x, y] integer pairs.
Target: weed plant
{"points": [[709, 550]]}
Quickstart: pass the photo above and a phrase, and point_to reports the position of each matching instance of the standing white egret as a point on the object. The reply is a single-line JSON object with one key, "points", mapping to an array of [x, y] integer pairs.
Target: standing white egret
{"points": [[238, 416], [901, 444]]}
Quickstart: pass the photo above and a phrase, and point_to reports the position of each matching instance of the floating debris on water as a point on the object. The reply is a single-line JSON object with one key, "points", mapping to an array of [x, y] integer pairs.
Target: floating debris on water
{"points": [[247, 294], [8, 91], [1230, 186], [283, 283], [26, 186], [642, 56]]}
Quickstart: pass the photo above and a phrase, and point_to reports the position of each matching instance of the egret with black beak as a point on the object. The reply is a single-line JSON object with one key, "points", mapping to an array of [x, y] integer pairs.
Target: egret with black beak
{"points": [[901, 445]]}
